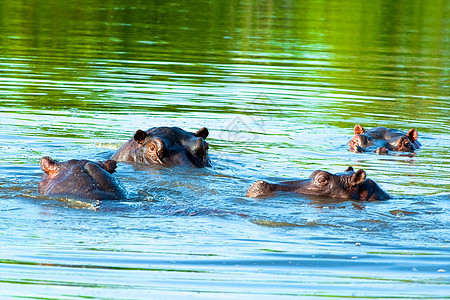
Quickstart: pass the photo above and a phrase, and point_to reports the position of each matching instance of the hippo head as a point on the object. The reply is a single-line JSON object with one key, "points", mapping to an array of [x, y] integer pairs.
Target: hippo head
{"points": [[405, 143], [382, 140], [79, 178], [360, 142], [365, 143], [171, 146], [347, 185]]}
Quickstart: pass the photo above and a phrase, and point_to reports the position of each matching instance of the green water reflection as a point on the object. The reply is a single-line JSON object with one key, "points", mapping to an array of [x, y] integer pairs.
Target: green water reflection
{"points": [[69, 54]]}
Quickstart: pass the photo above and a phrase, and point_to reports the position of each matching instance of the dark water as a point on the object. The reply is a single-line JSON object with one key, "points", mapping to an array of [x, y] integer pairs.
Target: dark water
{"points": [[280, 85]]}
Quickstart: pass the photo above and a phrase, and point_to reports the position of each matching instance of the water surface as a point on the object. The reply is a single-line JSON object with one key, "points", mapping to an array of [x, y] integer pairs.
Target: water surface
{"points": [[280, 85]]}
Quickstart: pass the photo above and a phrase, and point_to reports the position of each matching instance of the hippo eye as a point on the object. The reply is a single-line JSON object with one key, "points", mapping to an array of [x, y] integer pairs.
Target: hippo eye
{"points": [[156, 150], [322, 180], [354, 141]]}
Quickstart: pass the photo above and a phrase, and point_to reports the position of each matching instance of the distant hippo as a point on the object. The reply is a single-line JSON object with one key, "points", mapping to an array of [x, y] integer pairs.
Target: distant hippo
{"points": [[80, 179], [168, 146], [381, 140], [348, 185]]}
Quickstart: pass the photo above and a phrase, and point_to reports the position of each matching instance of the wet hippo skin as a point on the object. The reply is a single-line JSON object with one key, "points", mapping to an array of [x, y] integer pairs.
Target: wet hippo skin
{"points": [[80, 179], [382, 140], [168, 146], [348, 185]]}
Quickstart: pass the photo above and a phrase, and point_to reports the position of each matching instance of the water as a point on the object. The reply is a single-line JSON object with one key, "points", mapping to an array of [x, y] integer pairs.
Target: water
{"points": [[280, 85]]}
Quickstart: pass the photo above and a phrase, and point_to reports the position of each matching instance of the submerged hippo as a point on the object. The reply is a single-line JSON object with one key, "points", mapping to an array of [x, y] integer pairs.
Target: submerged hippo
{"points": [[168, 146], [80, 179], [348, 185], [381, 140]]}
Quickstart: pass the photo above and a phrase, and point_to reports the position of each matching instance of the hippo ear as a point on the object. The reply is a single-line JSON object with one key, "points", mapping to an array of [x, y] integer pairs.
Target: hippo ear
{"points": [[48, 165], [140, 136], [202, 132], [349, 169], [358, 129], [358, 178], [110, 166], [412, 135]]}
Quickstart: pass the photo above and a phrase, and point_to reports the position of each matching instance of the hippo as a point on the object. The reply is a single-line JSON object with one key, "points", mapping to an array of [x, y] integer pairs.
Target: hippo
{"points": [[82, 179], [348, 185], [382, 140], [167, 146]]}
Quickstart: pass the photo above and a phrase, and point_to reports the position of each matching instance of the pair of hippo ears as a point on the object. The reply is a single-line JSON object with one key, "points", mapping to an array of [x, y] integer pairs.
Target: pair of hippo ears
{"points": [[412, 134], [140, 135], [353, 179], [50, 166]]}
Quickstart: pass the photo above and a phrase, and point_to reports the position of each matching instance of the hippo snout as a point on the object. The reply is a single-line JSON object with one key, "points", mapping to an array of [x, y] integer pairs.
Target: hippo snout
{"points": [[259, 189]]}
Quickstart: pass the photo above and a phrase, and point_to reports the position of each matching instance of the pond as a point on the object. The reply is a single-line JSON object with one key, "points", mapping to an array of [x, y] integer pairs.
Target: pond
{"points": [[280, 86]]}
